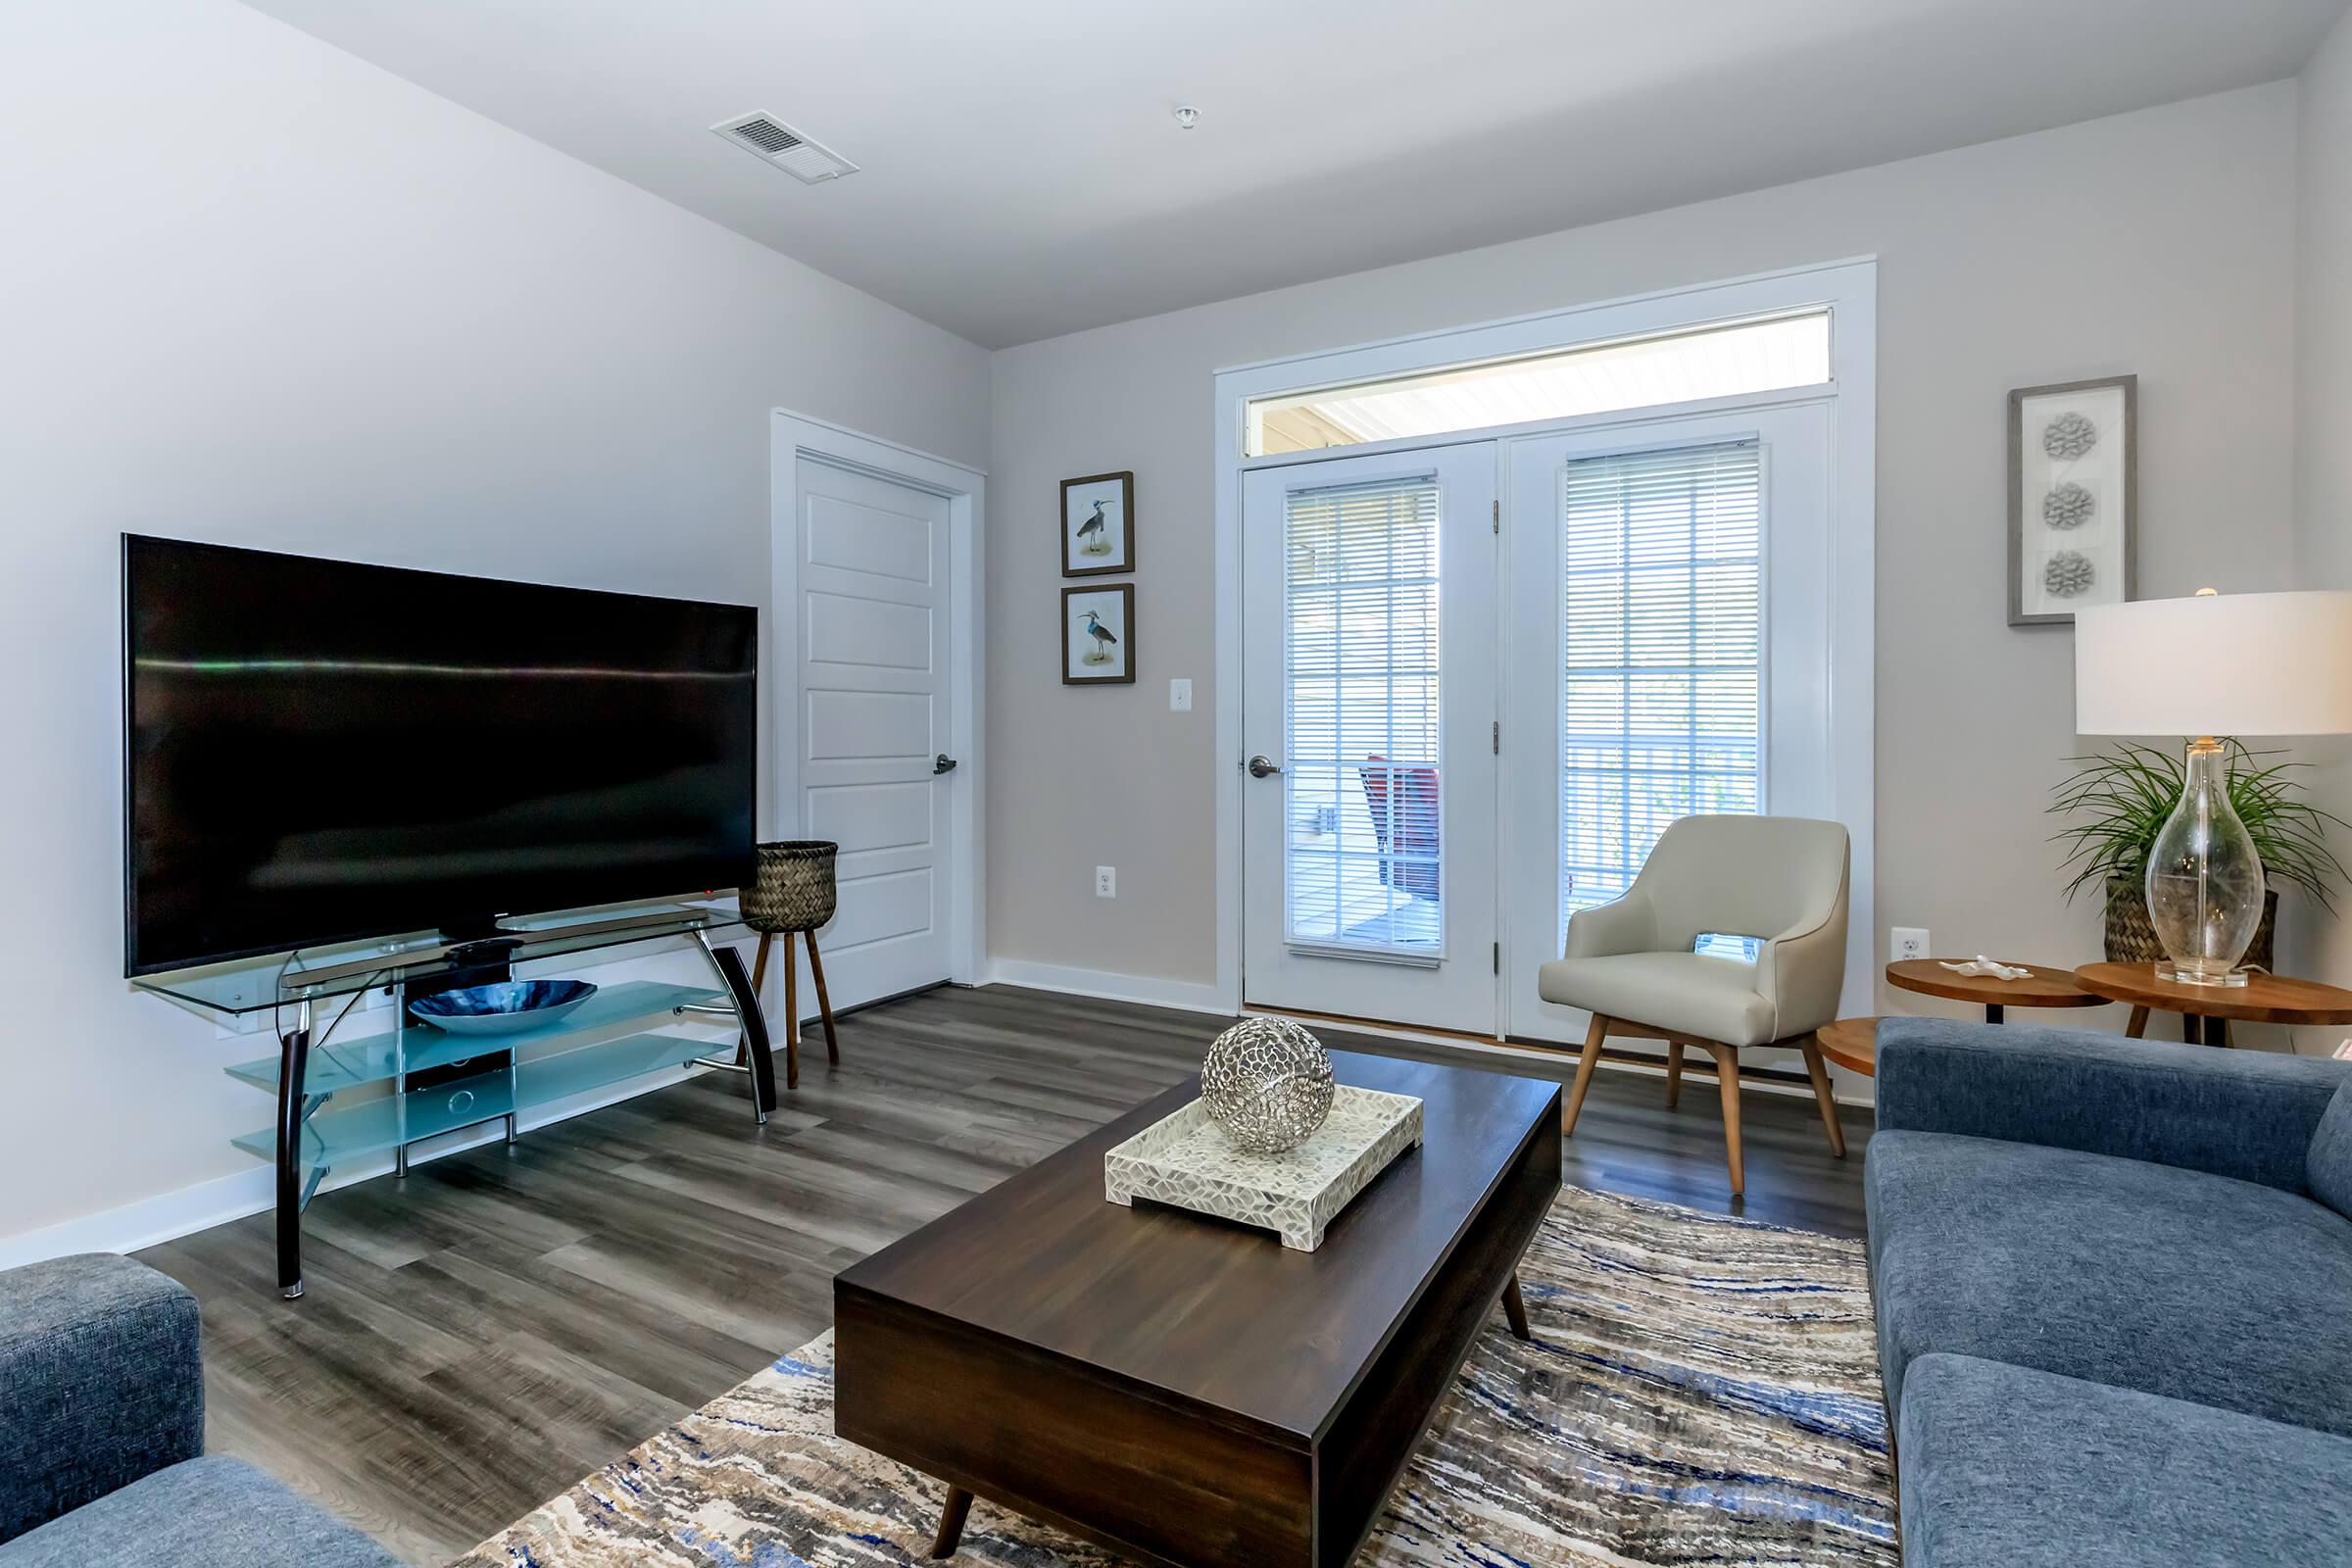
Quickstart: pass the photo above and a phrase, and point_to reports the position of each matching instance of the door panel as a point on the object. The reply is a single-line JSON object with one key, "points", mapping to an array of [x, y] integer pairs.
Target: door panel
{"points": [[1646, 679], [872, 616], [1368, 678]]}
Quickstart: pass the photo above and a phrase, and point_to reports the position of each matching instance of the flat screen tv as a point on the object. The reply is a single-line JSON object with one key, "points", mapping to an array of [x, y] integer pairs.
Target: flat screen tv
{"points": [[319, 751]]}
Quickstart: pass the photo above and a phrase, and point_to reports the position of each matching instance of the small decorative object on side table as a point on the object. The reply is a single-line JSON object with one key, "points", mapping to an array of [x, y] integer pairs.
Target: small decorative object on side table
{"points": [[2206, 1011], [2041, 988]]}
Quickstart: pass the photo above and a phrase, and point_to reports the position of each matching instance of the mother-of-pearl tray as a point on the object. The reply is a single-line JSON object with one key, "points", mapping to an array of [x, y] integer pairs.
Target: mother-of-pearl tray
{"points": [[1184, 1160]]}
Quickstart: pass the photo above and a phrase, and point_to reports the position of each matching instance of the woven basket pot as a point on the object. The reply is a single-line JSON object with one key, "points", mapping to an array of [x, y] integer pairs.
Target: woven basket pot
{"points": [[793, 888], [2132, 935]]}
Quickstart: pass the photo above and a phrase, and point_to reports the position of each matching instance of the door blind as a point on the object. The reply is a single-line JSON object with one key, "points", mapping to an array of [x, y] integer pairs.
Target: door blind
{"points": [[1661, 684], [1362, 789]]}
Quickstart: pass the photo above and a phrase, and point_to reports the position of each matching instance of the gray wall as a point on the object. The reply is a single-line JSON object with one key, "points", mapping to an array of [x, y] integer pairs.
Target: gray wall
{"points": [[259, 292], [2160, 243], [2323, 416]]}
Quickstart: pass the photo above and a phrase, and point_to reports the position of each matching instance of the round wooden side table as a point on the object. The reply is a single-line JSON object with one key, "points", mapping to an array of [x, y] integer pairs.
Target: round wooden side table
{"points": [[1852, 1044], [2041, 987], [2206, 1011]]}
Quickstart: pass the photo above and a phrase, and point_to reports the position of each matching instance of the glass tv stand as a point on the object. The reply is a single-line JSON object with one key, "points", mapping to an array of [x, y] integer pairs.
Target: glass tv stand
{"points": [[437, 1082]]}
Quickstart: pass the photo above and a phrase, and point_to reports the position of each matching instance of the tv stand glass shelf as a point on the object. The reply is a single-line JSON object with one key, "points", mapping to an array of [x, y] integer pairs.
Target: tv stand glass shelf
{"points": [[416, 1082]]}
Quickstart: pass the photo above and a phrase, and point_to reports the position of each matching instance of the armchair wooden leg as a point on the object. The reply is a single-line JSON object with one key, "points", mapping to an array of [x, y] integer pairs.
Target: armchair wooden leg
{"points": [[1820, 1073], [1674, 1074], [1598, 1032], [1726, 1072]]}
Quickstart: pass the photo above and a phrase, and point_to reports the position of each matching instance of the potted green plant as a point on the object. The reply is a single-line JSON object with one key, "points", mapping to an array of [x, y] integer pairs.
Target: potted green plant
{"points": [[2118, 800]]}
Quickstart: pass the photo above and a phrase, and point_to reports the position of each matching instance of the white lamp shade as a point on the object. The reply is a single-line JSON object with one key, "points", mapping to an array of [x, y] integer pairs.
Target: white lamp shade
{"points": [[2219, 664]]}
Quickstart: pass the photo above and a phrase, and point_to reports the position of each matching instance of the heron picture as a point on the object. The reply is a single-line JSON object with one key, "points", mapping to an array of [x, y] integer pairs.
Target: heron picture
{"points": [[1098, 635], [1097, 525]]}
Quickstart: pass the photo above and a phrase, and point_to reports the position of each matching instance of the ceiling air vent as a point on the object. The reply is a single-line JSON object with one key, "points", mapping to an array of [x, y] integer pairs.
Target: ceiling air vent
{"points": [[772, 141]]}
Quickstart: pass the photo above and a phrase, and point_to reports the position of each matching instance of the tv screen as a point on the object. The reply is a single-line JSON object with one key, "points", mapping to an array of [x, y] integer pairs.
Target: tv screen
{"points": [[319, 751]]}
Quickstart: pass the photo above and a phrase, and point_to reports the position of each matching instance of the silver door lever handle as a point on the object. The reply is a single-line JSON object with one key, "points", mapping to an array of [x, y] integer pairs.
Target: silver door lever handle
{"points": [[1262, 768], [944, 763]]}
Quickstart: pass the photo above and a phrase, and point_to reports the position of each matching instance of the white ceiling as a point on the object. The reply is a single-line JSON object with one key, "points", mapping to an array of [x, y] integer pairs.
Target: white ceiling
{"points": [[1022, 175]]}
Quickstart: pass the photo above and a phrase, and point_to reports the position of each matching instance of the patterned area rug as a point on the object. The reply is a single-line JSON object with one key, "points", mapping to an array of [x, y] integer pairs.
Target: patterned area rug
{"points": [[1700, 1390]]}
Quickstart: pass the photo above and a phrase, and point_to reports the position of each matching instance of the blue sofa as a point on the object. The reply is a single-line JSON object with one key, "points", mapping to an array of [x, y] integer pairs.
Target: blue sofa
{"points": [[102, 1437], [2113, 1281]]}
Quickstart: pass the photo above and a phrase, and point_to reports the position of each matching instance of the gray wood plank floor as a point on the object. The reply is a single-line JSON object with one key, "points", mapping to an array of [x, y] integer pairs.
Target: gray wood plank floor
{"points": [[480, 1336]]}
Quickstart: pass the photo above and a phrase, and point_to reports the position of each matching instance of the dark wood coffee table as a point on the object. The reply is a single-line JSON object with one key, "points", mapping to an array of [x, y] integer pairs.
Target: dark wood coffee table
{"points": [[1185, 1391]]}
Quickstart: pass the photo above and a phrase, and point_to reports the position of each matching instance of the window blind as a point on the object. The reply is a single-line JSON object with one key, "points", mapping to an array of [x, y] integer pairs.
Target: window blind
{"points": [[1661, 681], [1362, 791]]}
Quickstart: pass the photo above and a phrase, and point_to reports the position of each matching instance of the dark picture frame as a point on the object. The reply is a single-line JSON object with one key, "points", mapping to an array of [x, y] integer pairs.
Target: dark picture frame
{"points": [[2097, 523], [1123, 634], [1078, 512]]}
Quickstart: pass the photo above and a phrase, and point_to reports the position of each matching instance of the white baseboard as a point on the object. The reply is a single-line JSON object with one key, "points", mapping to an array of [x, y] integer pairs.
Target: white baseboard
{"points": [[168, 1216], [1191, 996]]}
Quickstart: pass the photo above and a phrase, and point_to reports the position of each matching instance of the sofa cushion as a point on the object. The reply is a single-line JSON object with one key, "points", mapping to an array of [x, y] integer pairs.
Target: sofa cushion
{"points": [[1684, 993], [2145, 1276], [2329, 1165], [214, 1512], [2002, 1464]]}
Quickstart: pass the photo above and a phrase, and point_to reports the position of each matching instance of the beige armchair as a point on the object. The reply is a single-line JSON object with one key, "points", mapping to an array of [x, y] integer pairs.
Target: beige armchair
{"points": [[1778, 878]]}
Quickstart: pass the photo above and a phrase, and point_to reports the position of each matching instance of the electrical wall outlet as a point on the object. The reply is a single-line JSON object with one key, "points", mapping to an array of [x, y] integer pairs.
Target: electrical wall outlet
{"points": [[1107, 881], [1180, 696], [1907, 942]]}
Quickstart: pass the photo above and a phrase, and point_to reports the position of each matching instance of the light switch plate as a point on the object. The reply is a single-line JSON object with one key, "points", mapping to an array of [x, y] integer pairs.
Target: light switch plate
{"points": [[1180, 696]]}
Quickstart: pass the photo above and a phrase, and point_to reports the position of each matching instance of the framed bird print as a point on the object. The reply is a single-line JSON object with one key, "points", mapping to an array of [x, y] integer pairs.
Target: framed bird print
{"points": [[1098, 636], [1097, 525]]}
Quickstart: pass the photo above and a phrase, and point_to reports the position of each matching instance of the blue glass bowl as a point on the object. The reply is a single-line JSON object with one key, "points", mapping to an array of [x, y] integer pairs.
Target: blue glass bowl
{"points": [[508, 1008]]}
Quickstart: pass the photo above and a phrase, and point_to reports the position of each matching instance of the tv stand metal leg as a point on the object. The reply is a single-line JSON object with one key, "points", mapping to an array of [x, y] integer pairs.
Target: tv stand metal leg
{"points": [[729, 965], [293, 1064]]}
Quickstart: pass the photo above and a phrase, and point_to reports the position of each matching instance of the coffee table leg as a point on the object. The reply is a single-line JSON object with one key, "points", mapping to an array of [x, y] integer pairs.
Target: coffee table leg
{"points": [[951, 1521], [2137, 1028], [1515, 1308], [1994, 1012]]}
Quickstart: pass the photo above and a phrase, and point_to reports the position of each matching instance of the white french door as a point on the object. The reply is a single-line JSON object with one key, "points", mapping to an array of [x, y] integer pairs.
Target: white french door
{"points": [[1368, 711], [1666, 615], [1485, 714], [873, 602]]}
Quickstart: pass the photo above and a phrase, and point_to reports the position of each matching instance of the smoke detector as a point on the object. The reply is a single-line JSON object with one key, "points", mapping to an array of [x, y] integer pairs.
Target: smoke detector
{"points": [[771, 141]]}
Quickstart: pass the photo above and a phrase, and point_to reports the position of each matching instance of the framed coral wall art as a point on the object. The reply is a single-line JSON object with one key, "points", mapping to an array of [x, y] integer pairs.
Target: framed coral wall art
{"points": [[1097, 525], [2073, 505]]}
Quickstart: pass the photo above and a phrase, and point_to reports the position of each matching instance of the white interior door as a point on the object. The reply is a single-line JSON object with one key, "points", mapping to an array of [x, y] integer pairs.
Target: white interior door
{"points": [[1667, 652], [1368, 679], [873, 609]]}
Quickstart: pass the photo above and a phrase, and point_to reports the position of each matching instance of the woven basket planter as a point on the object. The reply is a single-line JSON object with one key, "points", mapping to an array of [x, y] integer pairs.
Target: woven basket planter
{"points": [[793, 889], [2132, 934]]}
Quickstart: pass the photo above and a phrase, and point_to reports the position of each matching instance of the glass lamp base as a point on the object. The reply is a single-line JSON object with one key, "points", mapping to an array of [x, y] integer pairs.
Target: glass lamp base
{"points": [[2166, 969]]}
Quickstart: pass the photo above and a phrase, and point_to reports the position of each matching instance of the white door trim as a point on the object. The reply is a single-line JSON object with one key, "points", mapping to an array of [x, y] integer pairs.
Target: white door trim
{"points": [[1847, 288], [965, 490]]}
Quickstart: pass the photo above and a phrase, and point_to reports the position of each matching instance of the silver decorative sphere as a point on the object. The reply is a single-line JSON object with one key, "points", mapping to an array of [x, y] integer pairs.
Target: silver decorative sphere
{"points": [[2067, 573], [1268, 1082], [2068, 505], [2069, 436]]}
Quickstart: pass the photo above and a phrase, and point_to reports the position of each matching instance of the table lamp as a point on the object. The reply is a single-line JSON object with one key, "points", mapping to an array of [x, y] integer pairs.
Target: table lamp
{"points": [[2235, 664]]}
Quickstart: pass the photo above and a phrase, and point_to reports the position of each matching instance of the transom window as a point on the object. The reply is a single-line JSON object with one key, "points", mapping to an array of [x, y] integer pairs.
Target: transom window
{"points": [[1685, 366]]}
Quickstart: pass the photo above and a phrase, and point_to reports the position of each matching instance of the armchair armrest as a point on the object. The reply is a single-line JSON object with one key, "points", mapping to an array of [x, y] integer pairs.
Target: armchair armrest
{"points": [[101, 1382], [1801, 971], [1624, 924], [2242, 1113]]}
